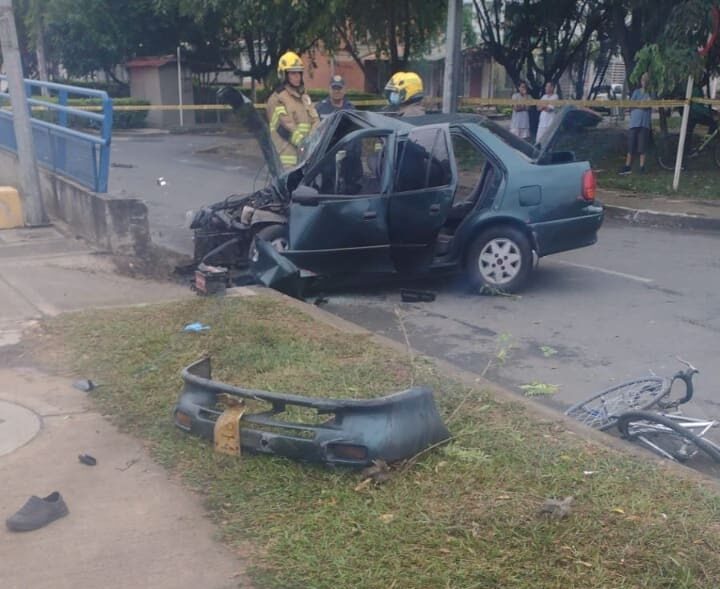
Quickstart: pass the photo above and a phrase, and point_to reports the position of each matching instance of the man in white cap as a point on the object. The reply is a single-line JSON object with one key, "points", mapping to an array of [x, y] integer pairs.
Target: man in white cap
{"points": [[337, 100]]}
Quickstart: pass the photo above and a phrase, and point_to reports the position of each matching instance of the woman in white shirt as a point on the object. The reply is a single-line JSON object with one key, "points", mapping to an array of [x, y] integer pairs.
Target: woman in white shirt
{"points": [[520, 122], [547, 111]]}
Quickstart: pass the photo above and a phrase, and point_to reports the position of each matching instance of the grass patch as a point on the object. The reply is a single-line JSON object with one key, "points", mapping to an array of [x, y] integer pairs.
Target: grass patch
{"points": [[698, 181], [465, 516]]}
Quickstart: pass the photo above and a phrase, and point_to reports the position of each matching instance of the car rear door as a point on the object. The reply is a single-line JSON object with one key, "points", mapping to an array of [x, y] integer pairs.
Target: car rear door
{"points": [[339, 213], [424, 185]]}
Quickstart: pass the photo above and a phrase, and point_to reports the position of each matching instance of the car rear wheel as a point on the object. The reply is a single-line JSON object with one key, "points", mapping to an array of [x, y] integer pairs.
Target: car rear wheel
{"points": [[275, 235], [499, 260]]}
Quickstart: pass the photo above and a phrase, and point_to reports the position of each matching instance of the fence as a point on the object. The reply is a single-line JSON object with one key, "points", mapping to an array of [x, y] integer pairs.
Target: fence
{"points": [[81, 155]]}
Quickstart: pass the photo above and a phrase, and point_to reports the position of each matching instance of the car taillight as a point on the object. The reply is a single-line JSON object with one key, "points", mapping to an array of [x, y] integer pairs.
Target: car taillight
{"points": [[347, 451], [589, 185], [183, 420]]}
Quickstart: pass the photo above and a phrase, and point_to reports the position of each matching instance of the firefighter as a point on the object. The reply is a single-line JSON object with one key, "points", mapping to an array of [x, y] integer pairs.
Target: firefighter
{"points": [[290, 111], [404, 92]]}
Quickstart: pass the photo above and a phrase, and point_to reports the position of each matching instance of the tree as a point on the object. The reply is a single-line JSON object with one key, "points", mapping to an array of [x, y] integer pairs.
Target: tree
{"points": [[250, 35], [537, 40], [399, 30], [97, 35], [636, 23], [674, 54]]}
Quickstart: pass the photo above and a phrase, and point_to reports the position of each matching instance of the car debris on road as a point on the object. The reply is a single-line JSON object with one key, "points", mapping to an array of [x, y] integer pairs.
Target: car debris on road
{"points": [[356, 432]]}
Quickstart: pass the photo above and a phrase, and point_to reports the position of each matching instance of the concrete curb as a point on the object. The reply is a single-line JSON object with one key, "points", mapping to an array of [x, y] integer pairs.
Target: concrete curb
{"points": [[502, 394], [652, 218]]}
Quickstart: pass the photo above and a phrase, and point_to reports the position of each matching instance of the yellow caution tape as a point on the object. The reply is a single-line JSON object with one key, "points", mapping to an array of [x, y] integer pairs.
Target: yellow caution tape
{"points": [[463, 102]]}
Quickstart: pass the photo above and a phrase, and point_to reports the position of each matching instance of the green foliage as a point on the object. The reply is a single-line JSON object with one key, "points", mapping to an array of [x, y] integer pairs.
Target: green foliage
{"points": [[114, 89], [540, 40], [400, 30], [673, 56], [539, 389], [131, 119]]}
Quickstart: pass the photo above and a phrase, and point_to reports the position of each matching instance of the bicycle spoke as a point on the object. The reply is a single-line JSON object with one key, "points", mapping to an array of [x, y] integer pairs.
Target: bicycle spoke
{"points": [[602, 410]]}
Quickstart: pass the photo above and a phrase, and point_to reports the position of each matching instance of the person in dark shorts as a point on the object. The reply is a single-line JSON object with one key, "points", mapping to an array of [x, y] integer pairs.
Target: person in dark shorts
{"points": [[640, 125]]}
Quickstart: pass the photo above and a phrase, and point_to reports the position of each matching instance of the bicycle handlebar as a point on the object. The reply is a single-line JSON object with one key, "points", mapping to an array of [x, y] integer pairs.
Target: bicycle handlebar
{"points": [[686, 376]]}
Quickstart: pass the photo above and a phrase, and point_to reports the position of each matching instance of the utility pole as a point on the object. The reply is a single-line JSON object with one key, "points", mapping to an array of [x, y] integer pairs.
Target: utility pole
{"points": [[180, 87], [451, 82], [29, 178]]}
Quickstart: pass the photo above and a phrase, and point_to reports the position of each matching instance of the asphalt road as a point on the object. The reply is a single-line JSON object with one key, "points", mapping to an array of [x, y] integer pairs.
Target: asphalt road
{"points": [[620, 309], [625, 307], [193, 177]]}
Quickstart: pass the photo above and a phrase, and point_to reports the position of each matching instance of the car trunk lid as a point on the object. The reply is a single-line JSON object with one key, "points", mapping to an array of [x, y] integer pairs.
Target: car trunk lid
{"points": [[569, 126]]}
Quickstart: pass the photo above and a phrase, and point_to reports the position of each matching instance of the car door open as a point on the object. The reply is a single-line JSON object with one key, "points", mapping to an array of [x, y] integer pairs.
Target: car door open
{"points": [[425, 179], [338, 215]]}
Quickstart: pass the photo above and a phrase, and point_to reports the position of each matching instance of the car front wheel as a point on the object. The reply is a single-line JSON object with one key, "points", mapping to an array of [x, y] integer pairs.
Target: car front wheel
{"points": [[275, 235], [499, 260]]}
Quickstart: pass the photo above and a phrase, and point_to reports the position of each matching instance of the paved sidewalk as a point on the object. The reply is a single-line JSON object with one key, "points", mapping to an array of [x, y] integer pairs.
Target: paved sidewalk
{"points": [[129, 525], [703, 215]]}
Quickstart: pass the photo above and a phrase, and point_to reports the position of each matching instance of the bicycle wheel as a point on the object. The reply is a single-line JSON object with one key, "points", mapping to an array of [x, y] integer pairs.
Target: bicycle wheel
{"points": [[664, 436], [666, 151], [602, 410]]}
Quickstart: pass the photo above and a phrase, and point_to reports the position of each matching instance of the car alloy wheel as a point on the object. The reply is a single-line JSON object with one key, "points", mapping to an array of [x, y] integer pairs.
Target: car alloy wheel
{"points": [[500, 259]]}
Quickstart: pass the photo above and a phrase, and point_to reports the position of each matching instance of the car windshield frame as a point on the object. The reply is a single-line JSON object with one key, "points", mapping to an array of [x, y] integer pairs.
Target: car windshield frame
{"points": [[310, 144]]}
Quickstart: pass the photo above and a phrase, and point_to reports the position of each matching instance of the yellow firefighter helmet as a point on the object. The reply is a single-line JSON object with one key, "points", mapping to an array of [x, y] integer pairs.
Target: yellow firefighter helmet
{"points": [[289, 62], [403, 87]]}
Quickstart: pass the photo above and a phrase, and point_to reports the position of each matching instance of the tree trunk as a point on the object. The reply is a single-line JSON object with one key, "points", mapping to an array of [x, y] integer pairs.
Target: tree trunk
{"points": [[42, 62], [350, 48]]}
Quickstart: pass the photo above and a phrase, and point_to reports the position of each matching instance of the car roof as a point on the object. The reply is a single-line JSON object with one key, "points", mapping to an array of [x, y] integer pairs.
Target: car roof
{"points": [[498, 138]]}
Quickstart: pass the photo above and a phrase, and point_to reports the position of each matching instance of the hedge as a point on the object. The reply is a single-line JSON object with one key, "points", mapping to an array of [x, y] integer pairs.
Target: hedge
{"points": [[132, 119]]}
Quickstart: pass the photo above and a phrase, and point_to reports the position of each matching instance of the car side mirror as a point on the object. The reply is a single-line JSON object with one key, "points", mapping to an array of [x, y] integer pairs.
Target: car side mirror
{"points": [[305, 195]]}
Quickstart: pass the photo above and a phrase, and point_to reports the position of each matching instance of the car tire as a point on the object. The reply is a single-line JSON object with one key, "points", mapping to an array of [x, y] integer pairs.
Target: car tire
{"points": [[500, 260], [275, 235]]}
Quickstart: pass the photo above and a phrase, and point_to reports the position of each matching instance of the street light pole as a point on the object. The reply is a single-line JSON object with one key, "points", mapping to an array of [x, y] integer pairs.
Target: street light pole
{"points": [[180, 87], [29, 177], [452, 56]]}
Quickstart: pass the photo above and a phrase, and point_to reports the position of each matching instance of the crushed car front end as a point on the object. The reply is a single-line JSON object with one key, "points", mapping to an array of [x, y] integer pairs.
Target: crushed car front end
{"points": [[223, 232], [349, 432]]}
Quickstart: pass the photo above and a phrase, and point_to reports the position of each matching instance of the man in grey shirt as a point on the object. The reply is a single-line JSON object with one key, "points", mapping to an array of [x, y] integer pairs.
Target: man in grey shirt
{"points": [[640, 125]]}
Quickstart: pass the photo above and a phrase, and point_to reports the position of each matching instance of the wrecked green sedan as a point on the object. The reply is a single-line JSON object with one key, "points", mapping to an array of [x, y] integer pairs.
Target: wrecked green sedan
{"points": [[373, 193]]}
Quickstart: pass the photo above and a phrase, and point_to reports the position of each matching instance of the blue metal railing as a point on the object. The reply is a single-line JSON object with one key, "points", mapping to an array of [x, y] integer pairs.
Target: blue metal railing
{"points": [[81, 153]]}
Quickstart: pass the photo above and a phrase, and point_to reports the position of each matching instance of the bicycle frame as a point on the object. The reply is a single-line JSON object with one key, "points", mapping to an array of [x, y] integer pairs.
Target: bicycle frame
{"points": [[640, 430], [706, 141]]}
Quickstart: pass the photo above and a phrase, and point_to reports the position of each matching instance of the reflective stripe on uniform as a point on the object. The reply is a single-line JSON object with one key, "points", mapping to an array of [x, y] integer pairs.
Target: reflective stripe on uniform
{"points": [[302, 131], [297, 136], [277, 113], [288, 160]]}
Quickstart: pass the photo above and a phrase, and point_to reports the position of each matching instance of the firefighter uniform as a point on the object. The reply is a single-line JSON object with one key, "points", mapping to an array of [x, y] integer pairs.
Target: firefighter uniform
{"points": [[290, 112]]}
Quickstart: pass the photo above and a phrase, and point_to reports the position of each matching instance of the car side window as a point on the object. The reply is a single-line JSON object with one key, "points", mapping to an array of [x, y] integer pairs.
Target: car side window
{"points": [[471, 163], [356, 169], [423, 161]]}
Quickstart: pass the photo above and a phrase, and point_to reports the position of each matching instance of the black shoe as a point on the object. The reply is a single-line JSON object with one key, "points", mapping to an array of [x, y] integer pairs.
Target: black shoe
{"points": [[642, 169], [37, 513], [625, 171]]}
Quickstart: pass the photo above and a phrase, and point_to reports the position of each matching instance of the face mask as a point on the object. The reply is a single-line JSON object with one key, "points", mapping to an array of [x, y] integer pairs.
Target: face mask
{"points": [[394, 98]]}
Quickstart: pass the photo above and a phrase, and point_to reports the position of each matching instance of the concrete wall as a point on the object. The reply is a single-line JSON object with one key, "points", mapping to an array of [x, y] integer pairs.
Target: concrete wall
{"points": [[159, 86], [116, 224], [144, 83]]}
